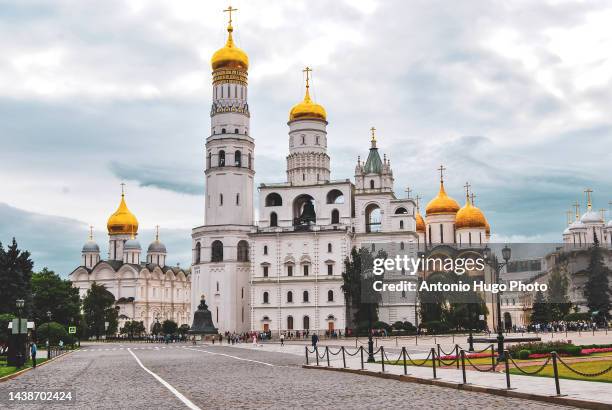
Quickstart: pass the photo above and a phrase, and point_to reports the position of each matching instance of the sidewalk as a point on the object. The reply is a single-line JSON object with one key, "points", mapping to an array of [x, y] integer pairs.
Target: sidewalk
{"points": [[574, 392]]}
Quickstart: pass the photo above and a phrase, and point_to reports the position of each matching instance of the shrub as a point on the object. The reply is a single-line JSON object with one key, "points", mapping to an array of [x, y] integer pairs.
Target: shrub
{"points": [[576, 317], [399, 325], [524, 354], [409, 327], [435, 327], [52, 331]]}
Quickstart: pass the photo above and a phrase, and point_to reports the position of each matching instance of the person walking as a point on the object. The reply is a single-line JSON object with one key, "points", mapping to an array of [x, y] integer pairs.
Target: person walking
{"points": [[315, 340], [282, 339], [33, 350]]}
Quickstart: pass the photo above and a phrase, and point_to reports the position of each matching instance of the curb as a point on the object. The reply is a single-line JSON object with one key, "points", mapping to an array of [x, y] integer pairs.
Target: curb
{"points": [[20, 372], [585, 404]]}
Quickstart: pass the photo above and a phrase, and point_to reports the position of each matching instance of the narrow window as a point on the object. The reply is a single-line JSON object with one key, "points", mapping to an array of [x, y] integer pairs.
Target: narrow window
{"points": [[265, 297], [237, 199], [305, 270], [330, 295], [289, 297], [217, 286], [289, 270], [329, 247], [265, 271], [371, 184], [220, 199], [305, 296], [265, 249], [441, 234], [330, 269], [273, 219], [401, 224], [221, 158]]}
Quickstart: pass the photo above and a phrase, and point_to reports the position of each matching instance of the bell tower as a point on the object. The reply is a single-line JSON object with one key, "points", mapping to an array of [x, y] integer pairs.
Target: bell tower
{"points": [[229, 148]]}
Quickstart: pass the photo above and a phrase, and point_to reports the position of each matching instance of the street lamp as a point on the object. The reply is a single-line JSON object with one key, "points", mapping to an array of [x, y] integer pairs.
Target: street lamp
{"points": [[19, 303], [48, 343], [371, 358], [497, 267]]}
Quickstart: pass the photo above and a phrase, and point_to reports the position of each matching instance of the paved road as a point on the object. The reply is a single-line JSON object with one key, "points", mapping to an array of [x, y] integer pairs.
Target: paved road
{"points": [[211, 377]]}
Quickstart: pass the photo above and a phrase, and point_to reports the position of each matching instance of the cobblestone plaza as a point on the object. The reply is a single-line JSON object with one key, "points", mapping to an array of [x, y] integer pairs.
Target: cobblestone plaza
{"points": [[212, 376]]}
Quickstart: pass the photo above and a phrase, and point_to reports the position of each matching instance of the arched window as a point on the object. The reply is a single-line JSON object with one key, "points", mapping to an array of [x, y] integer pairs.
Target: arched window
{"points": [[402, 245], [330, 295], [305, 296], [401, 210], [266, 297], [222, 156], [335, 196], [237, 158], [401, 224], [216, 254], [329, 247], [220, 199], [250, 160], [289, 322], [306, 323], [274, 199], [335, 217], [198, 252], [373, 217], [304, 210], [273, 219], [237, 199], [235, 130], [265, 249], [243, 251], [371, 184], [290, 297], [217, 286], [223, 131]]}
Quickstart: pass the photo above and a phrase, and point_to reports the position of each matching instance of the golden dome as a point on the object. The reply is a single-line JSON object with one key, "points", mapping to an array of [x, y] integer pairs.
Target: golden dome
{"points": [[307, 109], [442, 204], [230, 56], [470, 217], [122, 221], [487, 227], [420, 223]]}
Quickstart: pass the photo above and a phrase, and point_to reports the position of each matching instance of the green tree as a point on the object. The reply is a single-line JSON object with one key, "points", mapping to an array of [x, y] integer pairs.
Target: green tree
{"points": [[361, 299], [15, 278], [597, 289], [558, 299], [5, 319], [540, 312], [133, 328], [98, 308], [53, 332], [169, 327], [50, 293], [183, 329]]}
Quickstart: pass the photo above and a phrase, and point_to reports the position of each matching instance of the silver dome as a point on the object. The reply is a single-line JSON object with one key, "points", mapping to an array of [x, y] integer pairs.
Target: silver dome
{"points": [[157, 247], [91, 246], [132, 244], [591, 217]]}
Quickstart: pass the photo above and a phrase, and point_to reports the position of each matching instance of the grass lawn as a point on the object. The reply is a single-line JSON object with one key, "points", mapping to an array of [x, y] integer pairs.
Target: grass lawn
{"points": [[6, 370], [584, 367]]}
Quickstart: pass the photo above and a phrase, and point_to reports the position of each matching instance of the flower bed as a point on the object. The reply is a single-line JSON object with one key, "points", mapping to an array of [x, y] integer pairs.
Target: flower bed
{"points": [[596, 350], [468, 355]]}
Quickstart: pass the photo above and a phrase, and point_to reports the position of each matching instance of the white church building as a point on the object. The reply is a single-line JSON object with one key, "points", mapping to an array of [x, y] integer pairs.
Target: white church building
{"points": [[284, 273]]}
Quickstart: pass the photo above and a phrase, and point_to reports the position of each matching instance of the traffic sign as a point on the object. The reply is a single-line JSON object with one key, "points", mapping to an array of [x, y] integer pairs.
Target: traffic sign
{"points": [[71, 330]]}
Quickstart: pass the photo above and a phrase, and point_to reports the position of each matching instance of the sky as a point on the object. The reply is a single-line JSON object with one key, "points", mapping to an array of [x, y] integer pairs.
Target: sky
{"points": [[512, 96]]}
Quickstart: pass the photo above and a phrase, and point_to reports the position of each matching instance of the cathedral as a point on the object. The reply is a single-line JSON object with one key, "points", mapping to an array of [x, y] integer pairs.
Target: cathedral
{"points": [[582, 230], [283, 273], [145, 290]]}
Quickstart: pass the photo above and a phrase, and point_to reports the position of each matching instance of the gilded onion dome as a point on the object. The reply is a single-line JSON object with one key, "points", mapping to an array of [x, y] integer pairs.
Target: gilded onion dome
{"points": [[307, 109], [442, 204], [230, 56], [420, 223], [122, 222], [470, 216]]}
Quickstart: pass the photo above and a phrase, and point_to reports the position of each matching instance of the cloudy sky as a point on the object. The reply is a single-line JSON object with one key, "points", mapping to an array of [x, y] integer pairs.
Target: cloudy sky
{"points": [[512, 96]]}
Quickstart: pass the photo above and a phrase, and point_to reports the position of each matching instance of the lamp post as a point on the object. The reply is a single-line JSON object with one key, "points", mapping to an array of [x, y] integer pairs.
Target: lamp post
{"points": [[48, 342], [497, 267], [470, 323], [371, 358], [19, 303]]}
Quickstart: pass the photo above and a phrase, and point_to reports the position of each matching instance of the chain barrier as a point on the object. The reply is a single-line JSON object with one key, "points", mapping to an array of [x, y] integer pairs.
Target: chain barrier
{"points": [[492, 368], [526, 372], [579, 373]]}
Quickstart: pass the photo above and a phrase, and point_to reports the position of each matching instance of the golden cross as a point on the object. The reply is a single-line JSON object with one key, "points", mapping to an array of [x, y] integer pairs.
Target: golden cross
{"points": [[441, 169], [229, 10], [407, 190], [418, 201], [472, 198], [372, 130], [467, 189], [307, 70], [577, 206], [588, 192], [122, 188]]}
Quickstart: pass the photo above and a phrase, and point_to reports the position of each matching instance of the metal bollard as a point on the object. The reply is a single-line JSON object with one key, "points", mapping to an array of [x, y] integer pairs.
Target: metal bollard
{"points": [[327, 353], [463, 366], [457, 356], [361, 357], [493, 361], [404, 356], [439, 359], [343, 358], [433, 362], [382, 356], [556, 373], [416, 339], [507, 363], [306, 354], [317, 354], [395, 341]]}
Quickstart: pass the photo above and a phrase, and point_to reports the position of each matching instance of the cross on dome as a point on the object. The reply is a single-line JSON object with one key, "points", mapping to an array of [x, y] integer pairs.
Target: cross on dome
{"points": [[442, 169]]}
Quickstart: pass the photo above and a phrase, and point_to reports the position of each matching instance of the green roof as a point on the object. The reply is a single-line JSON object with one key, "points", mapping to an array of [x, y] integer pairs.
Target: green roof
{"points": [[373, 164]]}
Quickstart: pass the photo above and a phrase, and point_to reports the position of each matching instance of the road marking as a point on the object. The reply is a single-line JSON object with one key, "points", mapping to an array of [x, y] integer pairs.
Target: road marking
{"points": [[233, 357], [167, 385]]}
